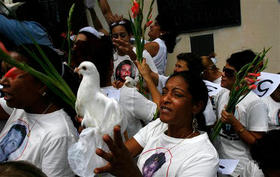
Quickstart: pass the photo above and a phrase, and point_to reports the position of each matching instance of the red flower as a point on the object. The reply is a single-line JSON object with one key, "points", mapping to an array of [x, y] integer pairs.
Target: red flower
{"points": [[149, 23], [254, 74], [135, 9], [3, 48], [252, 87], [64, 35]]}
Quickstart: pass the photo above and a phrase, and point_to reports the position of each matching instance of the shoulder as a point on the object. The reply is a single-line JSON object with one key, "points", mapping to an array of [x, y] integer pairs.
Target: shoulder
{"points": [[203, 145], [58, 124], [202, 154], [152, 129], [252, 100], [152, 48]]}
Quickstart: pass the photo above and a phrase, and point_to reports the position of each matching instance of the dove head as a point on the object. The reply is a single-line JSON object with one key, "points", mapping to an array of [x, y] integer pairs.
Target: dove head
{"points": [[88, 69]]}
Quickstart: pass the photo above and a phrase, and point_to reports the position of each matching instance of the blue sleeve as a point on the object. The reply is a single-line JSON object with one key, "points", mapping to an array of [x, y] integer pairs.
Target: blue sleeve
{"points": [[20, 32]]}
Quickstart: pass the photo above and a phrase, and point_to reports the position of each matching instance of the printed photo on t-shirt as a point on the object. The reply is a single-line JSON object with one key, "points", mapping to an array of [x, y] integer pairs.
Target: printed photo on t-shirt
{"points": [[12, 143], [125, 68], [156, 159]]}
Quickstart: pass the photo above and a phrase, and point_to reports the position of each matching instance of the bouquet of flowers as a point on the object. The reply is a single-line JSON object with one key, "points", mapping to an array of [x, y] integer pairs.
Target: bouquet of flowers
{"points": [[244, 82], [138, 31]]}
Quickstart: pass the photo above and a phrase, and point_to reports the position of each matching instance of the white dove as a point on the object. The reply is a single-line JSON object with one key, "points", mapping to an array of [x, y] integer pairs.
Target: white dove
{"points": [[91, 104], [100, 115]]}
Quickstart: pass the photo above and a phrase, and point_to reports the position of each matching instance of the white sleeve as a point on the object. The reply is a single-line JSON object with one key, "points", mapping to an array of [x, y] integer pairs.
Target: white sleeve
{"points": [[5, 107], [149, 61], [209, 114], [54, 158], [161, 82], [146, 132], [138, 105], [202, 166], [258, 117]]}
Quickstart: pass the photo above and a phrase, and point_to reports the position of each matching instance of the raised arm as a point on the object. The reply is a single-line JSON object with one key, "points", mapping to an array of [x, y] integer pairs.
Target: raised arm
{"points": [[151, 80], [152, 48], [106, 11]]}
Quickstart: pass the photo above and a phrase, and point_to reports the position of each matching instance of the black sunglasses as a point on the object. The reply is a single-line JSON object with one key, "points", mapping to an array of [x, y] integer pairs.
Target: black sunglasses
{"points": [[229, 72]]}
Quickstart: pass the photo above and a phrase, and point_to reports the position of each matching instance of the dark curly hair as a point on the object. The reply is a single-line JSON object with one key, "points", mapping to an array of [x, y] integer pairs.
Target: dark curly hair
{"points": [[240, 59], [169, 37], [98, 51], [198, 91]]}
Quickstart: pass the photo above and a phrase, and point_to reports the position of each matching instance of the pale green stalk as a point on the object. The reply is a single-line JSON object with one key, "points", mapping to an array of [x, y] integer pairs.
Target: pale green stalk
{"points": [[52, 78], [69, 26], [52, 84]]}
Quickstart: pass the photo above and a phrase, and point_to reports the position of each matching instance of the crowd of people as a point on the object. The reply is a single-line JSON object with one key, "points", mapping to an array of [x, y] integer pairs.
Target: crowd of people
{"points": [[168, 127]]}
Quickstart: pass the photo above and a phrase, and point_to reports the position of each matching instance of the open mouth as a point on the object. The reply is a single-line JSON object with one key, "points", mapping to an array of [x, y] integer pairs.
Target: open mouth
{"points": [[164, 109], [7, 96]]}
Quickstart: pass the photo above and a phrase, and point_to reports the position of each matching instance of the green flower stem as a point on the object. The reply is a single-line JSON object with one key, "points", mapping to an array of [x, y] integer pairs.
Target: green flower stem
{"points": [[69, 27]]}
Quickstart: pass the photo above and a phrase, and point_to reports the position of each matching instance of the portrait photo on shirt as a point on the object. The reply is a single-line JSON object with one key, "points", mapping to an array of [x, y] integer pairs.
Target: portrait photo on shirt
{"points": [[125, 68], [12, 143], [156, 159]]}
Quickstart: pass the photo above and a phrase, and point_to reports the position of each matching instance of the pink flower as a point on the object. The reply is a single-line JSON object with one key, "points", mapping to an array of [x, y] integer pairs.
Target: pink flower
{"points": [[252, 87], [254, 74], [149, 23], [135, 9], [250, 81]]}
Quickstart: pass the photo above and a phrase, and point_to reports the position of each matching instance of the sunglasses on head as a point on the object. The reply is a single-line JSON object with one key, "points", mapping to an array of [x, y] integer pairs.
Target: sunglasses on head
{"points": [[122, 22], [229, 72]]}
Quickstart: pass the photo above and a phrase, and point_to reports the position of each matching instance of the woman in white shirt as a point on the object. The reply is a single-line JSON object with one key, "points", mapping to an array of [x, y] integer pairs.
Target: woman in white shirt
{"points": [[170, 145]]}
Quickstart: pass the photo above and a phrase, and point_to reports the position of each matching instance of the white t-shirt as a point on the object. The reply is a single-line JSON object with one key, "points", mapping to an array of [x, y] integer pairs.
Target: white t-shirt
{"points": [[111, 92], [120, 61], [252, 114], [41, 139], [136, 108], [167, 156], [218, 80], [7, 109], [273, 113], [160, 59]]}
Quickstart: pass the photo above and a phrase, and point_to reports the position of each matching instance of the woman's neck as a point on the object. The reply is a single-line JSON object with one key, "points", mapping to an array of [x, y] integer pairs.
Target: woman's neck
{"points": [[120, 53], [216, 75], [179, 132], [42, 108]]}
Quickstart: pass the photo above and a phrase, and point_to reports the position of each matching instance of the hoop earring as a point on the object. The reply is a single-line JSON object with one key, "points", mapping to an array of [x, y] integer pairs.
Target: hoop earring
{"points": [[194, 125]]}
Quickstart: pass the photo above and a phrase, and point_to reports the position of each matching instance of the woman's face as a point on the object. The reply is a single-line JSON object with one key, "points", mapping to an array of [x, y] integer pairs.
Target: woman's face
{"points": [[155, 31], [180, 66], [119, 32], [79, 38], [228, 76], [21, 90], [176, 102]]}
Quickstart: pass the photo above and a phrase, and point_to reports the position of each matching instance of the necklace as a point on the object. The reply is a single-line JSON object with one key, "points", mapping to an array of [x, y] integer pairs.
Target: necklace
{"points": [[183, 139], [44, 112]]}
